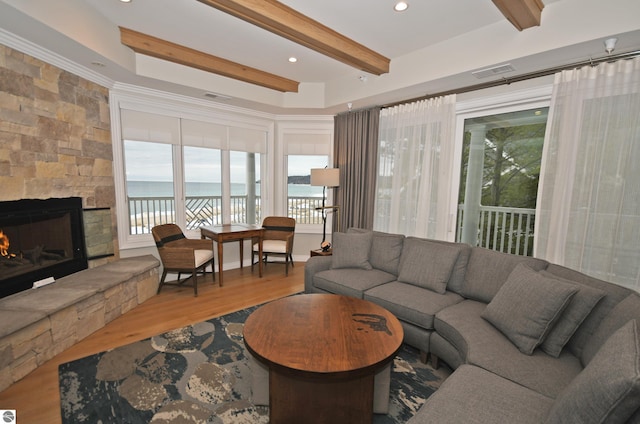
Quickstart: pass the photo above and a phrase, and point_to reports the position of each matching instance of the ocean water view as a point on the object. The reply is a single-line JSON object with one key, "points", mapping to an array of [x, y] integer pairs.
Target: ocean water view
{"points": [[147, 189]]}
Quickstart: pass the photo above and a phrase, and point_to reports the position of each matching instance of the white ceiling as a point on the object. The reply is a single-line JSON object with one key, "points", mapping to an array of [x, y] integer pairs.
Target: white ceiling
{"points": [[433, 46]]}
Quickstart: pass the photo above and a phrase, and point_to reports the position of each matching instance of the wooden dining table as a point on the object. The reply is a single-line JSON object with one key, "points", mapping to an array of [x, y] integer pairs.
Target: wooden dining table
{"points": [[234, 232]]}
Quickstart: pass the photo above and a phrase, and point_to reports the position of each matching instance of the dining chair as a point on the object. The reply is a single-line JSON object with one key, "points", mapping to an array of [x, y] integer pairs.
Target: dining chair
{"points": [[277, 240], [179, 254]]}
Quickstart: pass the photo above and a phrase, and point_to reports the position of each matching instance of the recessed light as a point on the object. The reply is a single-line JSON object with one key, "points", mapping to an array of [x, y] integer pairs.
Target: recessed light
{"points": [[293, 59], [401, 6], [125, 1]]}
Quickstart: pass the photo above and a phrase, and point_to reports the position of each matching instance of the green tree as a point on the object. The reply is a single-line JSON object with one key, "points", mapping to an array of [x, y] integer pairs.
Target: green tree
{"points": [[512, 166]]}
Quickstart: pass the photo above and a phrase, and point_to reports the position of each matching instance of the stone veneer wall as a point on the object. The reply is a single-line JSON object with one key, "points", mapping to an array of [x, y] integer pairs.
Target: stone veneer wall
{"points": [[55, 135]]}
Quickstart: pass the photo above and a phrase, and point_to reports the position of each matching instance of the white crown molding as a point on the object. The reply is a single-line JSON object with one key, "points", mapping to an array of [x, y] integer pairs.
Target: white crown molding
{"points": [[27, 47], [305, 118], [152, 100]]}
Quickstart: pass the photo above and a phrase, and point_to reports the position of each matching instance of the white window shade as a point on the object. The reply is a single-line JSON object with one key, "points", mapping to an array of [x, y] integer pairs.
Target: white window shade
{"points": [[142, 126], [307, 144], [247, 140], [204, 134]]}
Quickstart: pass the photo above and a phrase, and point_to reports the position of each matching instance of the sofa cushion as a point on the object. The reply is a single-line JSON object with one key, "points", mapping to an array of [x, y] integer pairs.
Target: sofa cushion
{"points": [[410, 303], [480, 343], [614, 295], [427, 264], [527, 306], [350, 281], [385, 250], [351, 250], [488, 270], [625, 311], [575, 313], [472, 395], [608, 389]]}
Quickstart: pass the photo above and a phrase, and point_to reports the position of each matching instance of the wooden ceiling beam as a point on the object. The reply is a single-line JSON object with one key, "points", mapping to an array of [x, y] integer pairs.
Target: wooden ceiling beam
{"points": [[522, 14], [162, 49], [286, 22]]}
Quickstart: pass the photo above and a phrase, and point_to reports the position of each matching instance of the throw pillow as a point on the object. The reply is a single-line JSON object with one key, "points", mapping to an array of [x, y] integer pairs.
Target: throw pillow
{"points": [[351, 250], [578, 309], [385, 249], [608, 389], [526, 307], [427, 264]]}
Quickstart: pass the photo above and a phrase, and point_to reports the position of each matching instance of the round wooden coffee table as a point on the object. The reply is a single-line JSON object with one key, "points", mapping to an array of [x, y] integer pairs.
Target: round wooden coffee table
{"points": [[323, 351]]}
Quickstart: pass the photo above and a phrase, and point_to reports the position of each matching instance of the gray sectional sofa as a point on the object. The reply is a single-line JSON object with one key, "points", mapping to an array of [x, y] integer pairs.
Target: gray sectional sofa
{"points": [[530, 341]]}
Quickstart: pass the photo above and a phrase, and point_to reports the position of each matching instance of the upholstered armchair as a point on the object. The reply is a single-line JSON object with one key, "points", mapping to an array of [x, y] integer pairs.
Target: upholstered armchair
{"points": [[277, 240], [182, 255]]}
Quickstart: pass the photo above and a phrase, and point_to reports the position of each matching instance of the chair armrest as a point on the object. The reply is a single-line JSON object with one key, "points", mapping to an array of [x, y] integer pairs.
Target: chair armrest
{"points": [[199, 244], [194, 244], [290, 242], [177, 257]]}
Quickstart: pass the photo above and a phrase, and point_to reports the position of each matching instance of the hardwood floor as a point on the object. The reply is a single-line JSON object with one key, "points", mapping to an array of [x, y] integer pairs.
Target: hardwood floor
{"points": [[36, 398]]}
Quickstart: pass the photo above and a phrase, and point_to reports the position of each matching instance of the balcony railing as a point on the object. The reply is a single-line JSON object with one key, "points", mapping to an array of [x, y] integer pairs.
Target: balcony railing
{"points": [[508, 230], [303, 209], [147, 212]]}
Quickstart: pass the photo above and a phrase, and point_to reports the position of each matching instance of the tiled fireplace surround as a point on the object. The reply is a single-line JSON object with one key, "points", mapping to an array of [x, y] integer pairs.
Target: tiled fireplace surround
{"points": [[55, 141]]}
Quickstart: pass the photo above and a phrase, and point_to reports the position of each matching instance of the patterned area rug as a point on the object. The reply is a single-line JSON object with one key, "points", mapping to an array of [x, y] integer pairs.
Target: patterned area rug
{"points": [[200, 374]]}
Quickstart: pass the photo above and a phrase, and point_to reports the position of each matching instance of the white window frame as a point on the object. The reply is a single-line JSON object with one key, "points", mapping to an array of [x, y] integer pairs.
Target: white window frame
{"points": [[302, 137], [488, 105], [172, 109]]}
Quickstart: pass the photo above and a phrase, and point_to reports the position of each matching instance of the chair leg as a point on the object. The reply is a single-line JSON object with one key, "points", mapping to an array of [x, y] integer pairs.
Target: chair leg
{"points": [[164, 275], [291, 259], [253, 258], [194, 275], [213, 269]]}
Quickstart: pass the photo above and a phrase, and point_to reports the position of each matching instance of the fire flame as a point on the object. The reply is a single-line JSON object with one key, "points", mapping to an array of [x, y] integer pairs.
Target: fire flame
{"points": [[4, 244]]}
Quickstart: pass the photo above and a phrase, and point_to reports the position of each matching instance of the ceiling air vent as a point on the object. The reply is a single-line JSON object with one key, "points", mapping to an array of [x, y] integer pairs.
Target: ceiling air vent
{"points": [[217, 96], [495, 70]]}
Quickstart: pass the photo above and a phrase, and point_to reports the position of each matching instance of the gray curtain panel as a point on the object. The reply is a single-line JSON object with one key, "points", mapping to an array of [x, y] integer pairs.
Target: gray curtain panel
{"points": [[355, 151]]}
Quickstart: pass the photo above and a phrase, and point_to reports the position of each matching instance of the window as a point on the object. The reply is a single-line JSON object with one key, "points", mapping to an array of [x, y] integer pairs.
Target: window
{"points": [[203, 186], [304, 149], [499, 180], [192, 173], [302, 197], [245, 187], [149, 183]]}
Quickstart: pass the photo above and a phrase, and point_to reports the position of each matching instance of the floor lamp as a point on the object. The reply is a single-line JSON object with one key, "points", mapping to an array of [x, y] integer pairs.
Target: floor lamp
{"points": [[325, 177]]}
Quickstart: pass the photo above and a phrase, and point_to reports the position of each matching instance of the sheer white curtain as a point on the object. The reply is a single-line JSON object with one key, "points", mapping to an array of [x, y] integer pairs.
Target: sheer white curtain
{"points": [[415, 159], [588, 214]]}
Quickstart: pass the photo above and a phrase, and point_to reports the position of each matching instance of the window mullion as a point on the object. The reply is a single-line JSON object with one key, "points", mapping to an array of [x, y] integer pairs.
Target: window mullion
{"points": [[226, 186], [178, 186]]}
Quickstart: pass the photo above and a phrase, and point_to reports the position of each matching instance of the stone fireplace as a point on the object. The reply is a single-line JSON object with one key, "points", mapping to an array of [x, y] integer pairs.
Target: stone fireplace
{"points": [[40, 240], [55, 142]]}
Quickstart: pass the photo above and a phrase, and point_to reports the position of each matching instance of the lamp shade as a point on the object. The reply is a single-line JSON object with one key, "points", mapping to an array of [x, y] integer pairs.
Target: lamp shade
{"points": [[328, 177]]}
